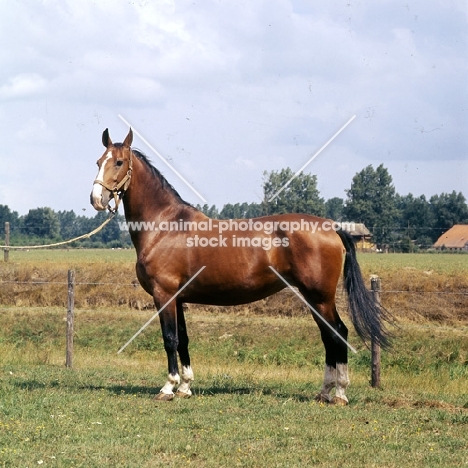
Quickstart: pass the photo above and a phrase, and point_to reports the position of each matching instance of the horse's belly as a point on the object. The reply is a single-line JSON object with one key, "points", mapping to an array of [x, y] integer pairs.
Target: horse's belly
{"points": [[235, 296]]}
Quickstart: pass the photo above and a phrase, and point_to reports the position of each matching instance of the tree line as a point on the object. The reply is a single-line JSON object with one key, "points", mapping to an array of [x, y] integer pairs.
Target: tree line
{"points": [[401, 223], [42, 226]]}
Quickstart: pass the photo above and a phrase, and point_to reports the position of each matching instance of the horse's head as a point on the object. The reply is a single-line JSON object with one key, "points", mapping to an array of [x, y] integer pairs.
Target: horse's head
{"points": [[115, 171]]}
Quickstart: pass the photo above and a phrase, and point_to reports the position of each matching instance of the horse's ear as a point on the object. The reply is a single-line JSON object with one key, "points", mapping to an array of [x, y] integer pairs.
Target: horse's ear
{"points": [[106, 141], [129, 138]]}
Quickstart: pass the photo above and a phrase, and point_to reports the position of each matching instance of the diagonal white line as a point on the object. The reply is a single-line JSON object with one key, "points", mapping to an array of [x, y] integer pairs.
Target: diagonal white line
{"points": [[313, 310], [162, 159], [161, 309], [312, 158]]}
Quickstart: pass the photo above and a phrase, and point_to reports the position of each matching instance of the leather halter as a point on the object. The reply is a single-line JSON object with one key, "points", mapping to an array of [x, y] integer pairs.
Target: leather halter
{"points": [[120, 188]]}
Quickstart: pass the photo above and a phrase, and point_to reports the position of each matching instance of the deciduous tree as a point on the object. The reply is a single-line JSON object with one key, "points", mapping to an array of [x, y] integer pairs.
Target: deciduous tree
{"points": [[300, 195], [371, 200], [42, 222]]}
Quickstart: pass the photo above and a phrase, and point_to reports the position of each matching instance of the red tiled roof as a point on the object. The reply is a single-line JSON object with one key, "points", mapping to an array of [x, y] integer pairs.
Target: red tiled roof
{"points": [[455, 238], [359, 230]]}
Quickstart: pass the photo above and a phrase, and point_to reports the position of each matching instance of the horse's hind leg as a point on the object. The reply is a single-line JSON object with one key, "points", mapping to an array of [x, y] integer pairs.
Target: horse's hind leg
{"points": [[334, 337], [336, 365], [342, 377], [187, 374]]}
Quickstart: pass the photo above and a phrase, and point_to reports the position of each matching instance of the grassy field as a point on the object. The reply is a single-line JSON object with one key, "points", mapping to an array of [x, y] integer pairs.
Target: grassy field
{"points": [[257, 369], [253, 405]]}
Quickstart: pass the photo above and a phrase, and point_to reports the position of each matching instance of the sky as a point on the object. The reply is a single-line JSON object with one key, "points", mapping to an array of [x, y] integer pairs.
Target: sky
{"points": [[225, 90]]}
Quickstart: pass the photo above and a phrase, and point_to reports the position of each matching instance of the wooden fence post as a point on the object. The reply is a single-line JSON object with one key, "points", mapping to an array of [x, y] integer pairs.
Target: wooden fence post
{"points": [[70, 315], [6, 251], [375, 347]]}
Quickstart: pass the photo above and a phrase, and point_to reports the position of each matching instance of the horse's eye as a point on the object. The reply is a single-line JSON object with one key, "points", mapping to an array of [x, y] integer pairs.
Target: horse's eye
{"points": [[119, 163]]}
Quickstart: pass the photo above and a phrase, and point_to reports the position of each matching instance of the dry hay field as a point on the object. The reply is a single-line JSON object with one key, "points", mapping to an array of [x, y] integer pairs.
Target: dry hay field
{"points": [[415, 287], [257, 369]]}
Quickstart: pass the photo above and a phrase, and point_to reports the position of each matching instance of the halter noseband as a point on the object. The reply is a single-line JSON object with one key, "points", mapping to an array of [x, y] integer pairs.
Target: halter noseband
{"points": [[119, 190]]}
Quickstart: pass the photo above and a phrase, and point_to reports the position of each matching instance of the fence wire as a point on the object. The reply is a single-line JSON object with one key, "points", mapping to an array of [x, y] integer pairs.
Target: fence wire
{"points": [[78, 283]]}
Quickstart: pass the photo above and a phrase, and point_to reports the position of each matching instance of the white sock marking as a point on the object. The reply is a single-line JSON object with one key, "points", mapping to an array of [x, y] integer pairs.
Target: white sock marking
{"points": [[172, 381], [329, 382], [342, 380], [187, 379]]}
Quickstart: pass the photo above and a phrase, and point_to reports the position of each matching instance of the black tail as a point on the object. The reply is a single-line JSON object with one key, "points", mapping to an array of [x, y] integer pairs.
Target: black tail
{"points": [[366, 315]]}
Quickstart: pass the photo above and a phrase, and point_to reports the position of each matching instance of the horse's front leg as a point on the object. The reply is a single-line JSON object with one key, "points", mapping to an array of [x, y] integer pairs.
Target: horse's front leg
{"points": [[187, 374], [168, 320]]}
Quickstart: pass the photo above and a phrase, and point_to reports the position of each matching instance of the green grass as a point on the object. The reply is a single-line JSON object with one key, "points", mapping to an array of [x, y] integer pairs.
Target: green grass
{"points": [[253, 406], [424, 262]]}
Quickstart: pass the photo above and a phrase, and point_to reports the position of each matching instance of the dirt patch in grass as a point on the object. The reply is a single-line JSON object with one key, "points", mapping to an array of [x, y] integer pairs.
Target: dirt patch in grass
{"points": [[407, 403]]}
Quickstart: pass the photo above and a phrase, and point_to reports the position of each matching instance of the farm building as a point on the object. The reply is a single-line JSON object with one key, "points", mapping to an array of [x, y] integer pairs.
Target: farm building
{"points": [[361, 236], [456, 238]]}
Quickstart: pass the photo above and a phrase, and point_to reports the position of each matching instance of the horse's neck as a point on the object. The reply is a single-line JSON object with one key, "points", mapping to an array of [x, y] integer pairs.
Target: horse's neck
{"points": [[149, 200]]}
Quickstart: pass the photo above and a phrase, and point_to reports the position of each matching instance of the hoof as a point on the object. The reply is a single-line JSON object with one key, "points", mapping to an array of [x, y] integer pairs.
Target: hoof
{"points": [[339, 401], [164, 397], [180, 394], [321, 399]]}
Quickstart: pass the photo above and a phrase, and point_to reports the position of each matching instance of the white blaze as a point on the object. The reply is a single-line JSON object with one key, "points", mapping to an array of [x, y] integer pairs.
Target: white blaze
{"points": [[97, 188]]}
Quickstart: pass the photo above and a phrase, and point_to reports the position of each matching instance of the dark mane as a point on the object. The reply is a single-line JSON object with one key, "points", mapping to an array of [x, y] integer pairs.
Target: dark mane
{"points": [[164, 183]]}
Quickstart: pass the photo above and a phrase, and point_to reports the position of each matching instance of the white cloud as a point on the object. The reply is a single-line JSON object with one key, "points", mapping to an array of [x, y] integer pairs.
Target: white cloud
{"points": [[245, 162], [249, 86], [25, 85], [35, 130]]}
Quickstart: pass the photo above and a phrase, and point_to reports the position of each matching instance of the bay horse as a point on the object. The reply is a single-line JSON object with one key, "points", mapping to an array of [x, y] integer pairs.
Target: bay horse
{"points": [[243, 260]]}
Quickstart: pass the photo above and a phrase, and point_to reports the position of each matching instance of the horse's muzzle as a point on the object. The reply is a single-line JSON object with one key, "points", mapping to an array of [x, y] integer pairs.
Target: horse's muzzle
{"points": [[99, 197]]}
